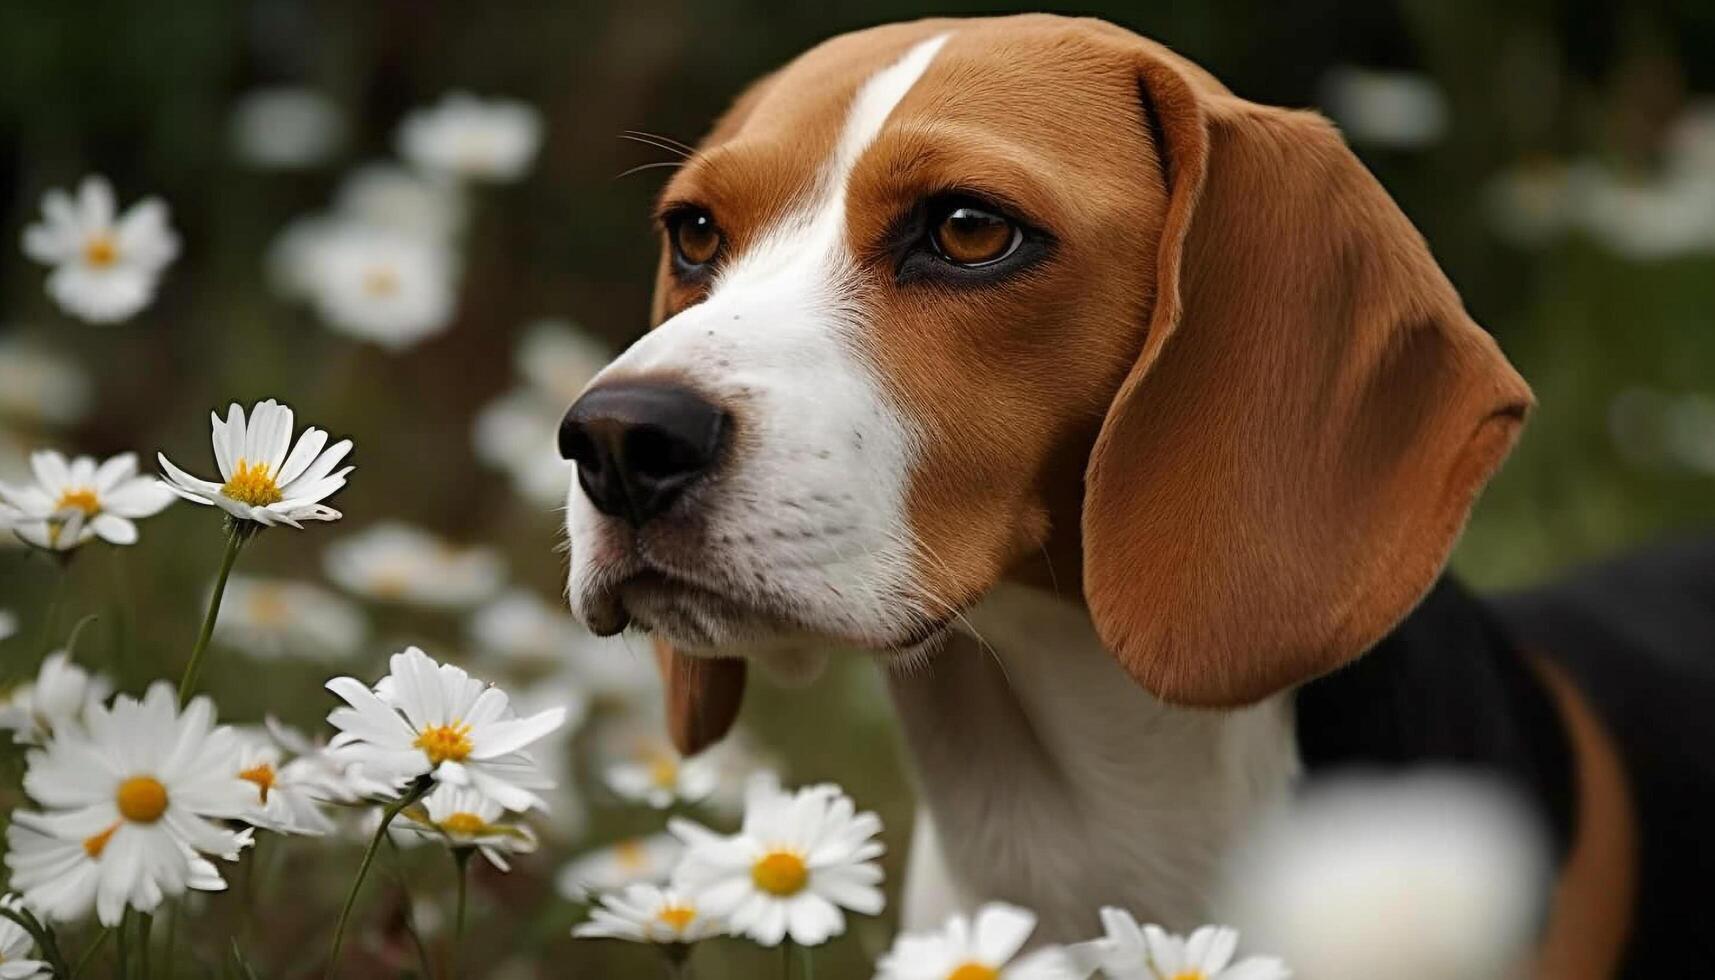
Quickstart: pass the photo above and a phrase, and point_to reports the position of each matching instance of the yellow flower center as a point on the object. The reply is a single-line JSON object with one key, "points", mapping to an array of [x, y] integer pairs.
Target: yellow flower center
{"points": [[630, 855], [252, 484], [974, 971], [442, 743], [381, 282], [780, 873], [268, 607], [466, 824], [142, 799], [664, 771], [81, 498], [1189, 975], [93, 846], [101, 250], [677, 917], [263, 775]]}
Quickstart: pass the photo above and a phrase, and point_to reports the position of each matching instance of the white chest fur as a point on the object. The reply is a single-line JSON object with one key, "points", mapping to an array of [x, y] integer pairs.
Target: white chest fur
{"points": [[1051, 780]]}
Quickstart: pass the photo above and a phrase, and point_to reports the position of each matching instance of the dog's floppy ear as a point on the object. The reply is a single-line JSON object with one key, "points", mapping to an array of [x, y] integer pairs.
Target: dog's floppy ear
{"points": [[703, 697], [1288, 462]]}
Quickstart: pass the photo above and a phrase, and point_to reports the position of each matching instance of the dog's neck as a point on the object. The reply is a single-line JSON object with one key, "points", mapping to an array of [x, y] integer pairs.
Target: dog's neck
{"points": [[1060, 785]]}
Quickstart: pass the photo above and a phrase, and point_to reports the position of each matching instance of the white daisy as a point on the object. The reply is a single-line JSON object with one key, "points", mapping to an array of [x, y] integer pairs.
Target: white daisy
{"points": [[16, 947], [636, 860], [39, 385], [288, 795], [60, 878], [560, 360], [517, 434], [654, 774], [286, 128], [434, 719], [140, 786], [1388, 108], [381, 285], [465, 818], [264, 483], [1131, 952], [798, 861], [980, 947], [396, 562], [106, 265], [73, 501], [55, 701], [1533, 203], [472, 138], [392, 198], [275, 617], [649, 914], [523, 629]]}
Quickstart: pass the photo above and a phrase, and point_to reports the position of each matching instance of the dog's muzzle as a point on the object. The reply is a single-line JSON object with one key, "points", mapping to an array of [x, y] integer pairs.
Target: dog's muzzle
{"points": [[639, 444]]}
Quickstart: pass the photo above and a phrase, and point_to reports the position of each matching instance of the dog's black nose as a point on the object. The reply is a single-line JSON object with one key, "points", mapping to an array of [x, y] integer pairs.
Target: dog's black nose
{"points": [[639, 444]]}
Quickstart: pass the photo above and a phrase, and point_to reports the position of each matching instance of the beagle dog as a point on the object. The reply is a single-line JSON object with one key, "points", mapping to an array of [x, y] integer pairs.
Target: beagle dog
{"points": [[1129, 424]]}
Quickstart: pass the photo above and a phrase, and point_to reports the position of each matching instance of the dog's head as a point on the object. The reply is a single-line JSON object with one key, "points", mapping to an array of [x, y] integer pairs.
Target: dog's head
{"points": [[938, 297]]}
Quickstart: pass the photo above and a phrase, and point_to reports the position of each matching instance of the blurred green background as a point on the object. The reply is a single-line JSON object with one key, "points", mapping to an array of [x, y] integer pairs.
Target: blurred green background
{"points": [[1559, 156]]}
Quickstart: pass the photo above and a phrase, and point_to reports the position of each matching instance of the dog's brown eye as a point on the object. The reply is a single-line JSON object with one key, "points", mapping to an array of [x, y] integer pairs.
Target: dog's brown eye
{"points": [[972, 236], [696, 240]]}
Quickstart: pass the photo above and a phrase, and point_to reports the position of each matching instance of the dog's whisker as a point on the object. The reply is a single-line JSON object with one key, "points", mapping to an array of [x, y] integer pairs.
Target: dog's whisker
{"points": [[659, 141], [674, 164]]}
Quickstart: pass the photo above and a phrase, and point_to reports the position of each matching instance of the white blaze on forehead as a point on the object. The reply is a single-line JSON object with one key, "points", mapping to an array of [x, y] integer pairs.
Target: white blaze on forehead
{"points": [[780, 337]]}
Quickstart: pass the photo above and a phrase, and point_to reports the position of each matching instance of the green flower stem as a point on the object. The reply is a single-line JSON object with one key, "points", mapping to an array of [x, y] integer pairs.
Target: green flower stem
{"points": [[418, 790], [809, 964], [89, 952], [51, 615], [125, 945], [461, 861], [410, 916], [234, 541], [145, 926]]}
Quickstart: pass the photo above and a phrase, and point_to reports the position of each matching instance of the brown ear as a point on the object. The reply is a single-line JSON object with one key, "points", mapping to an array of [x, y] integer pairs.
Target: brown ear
{"points": [[1286, 466], [703, 697]]}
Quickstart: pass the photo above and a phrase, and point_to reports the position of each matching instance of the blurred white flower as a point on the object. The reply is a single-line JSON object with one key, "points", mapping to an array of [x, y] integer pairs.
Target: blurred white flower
{"points": [[462, 817], [636, 860], [265, 483], [1129, 950], [518, 434], [16, 953], [76, 500], [649, 914], [8, 624], [434, 719], [1430, 877], [559, 359], [61, 879], [286, 128], [139, 786], [1388, 108], [799, 860], [55, 701], [472, 138], [276, 617], [522, 628], [106, 265], [390, 197], [1647, 217], [380, 285], [287, 795], [986, 947], [327, 777], [39, 385], [656, 775], [396, 562]]}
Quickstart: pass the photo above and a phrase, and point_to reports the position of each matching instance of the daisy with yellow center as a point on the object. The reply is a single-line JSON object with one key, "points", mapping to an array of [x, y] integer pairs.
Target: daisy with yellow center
{"points": [[472, 138], [73, 501], [396, 562], [1130, 950], [429, 719], [389, 287], [981, 947], [634, 861], [798, 863], [465, 818], [268, 618], [56, 700], [266, 478], [137, 791], [649, 914], [288, 798], [653, 774], [106, 265]]}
